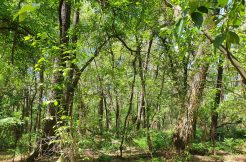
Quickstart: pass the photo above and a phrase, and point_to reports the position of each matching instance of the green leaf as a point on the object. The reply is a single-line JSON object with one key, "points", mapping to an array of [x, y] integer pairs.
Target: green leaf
{"points": [[26, 38], [55, 48], [138, 3], [180, 27], [197, 18], [24, 10], [203, 9], [219, 40], [222, 3], [22, 16], [56, 103], [164, 31], [41, 60], [193, 5], [237, 23], [232, 37]]}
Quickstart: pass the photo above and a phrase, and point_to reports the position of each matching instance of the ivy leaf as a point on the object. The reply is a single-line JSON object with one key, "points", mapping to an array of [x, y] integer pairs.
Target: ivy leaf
{"points": [[203, 9], [197, 18], [232, 37], [219, 40]]}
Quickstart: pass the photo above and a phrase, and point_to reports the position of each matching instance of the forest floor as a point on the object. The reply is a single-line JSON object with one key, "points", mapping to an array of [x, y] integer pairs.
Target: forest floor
{"points": [[223, 156], [137, 156]]}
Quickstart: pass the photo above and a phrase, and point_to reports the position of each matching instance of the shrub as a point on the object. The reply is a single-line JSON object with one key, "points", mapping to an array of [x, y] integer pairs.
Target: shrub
{"points": [[141, 143], [105, 158], [161, 140], [199, 149], [230, 145]]}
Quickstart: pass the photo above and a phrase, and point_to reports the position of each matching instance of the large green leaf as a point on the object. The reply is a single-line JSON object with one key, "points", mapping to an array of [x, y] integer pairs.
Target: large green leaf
{"points": [[232, 37], [197, 18], [219, 40], [24, 10], [179, 27]]}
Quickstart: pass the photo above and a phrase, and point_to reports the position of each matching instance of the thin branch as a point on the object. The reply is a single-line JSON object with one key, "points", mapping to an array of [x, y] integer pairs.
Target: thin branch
{"points": [[239, 67], [80, 71], [229, 123], [94, 56], [124, 44]]}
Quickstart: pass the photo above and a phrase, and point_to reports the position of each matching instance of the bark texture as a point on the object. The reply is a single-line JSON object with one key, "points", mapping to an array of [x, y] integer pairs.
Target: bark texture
{"points": [[186, 123]]}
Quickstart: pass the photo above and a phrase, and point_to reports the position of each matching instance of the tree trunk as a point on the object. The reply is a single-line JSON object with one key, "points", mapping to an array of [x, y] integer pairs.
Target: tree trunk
{"points": [[117, 106], [107, 114], [186, 124], [82, 112], [40, 98], [129, 109], [56, 94], [100, 114], [117, 115], [214, 117], [142, 107]]}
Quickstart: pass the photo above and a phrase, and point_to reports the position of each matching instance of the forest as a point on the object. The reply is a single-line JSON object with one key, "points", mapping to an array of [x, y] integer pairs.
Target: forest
{"points": [[122, 80]]}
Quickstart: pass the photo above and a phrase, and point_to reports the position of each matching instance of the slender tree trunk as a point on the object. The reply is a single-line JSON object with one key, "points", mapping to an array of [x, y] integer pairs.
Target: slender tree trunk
{"points": [[149, 141], [100, 110], [82, 118], [40, 98], [32, 99], [13, 47], [159, 100], [214, 116], [142, 107], [100, 114], [117, 116], [129, 109], [117, 106], [186, 124], [107, 114]]}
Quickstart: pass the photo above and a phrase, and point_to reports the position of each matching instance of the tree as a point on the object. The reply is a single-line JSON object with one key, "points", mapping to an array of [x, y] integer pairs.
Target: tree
{"points": [[186, 125], [115, 75]]}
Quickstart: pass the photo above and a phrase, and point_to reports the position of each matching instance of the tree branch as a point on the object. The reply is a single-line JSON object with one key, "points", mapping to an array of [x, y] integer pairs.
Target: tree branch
{"points": [[80, 71], [124, 44], [229, 123], [94, 56], [239, 67]]}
